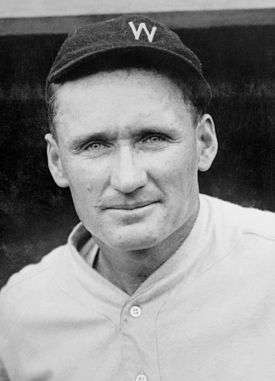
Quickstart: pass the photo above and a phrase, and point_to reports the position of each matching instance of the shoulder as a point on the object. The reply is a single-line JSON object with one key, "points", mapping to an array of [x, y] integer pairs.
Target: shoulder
{"points": [[248, 221], [31, 279], [31, 297], [245, 237]]}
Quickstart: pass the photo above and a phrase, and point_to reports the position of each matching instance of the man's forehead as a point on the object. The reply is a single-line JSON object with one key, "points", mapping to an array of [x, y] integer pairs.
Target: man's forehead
{"points": [[124, 88], [123, 99], [136, 76]]}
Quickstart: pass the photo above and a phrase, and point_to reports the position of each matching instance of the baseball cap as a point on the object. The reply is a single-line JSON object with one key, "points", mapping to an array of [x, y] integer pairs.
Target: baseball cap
{"points": [[127, 35]]}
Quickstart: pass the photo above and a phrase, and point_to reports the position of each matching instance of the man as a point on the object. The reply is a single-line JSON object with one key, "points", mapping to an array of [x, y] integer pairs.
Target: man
{"points": [[157, 282]]}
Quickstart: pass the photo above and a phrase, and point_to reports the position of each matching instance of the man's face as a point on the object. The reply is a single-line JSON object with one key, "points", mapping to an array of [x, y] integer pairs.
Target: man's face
{"points": [[127, 148]]}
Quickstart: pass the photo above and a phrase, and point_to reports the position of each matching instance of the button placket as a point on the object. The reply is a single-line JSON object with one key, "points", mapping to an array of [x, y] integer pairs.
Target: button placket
{"points": [[141, 377], [135, 311], [132, 320]]}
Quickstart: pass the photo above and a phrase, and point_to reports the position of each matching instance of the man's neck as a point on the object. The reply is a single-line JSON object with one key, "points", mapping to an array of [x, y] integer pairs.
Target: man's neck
{"points": [[128, 270]]}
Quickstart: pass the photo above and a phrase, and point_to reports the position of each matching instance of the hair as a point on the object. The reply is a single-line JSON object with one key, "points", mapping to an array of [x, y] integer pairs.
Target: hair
{"points": [[193, 89]]}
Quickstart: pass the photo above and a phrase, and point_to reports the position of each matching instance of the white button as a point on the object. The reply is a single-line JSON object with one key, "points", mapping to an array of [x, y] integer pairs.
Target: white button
{"points": [[135, 311], [141, 377]]}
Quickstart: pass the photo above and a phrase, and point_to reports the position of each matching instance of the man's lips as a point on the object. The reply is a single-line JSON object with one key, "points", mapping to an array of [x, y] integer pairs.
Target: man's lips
{"points": [[129, 206]]}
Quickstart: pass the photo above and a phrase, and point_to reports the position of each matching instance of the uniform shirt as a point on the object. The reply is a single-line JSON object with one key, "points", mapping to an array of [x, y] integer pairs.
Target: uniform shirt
{"points": [[208, 313]]}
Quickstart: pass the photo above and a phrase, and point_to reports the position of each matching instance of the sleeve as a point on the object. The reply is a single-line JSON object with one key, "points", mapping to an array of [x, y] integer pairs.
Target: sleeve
{"points": [[3, 371], [3, 374]]}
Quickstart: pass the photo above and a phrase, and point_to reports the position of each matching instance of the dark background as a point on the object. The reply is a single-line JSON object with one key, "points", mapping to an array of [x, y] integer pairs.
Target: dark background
{"points": [[36, 216]]}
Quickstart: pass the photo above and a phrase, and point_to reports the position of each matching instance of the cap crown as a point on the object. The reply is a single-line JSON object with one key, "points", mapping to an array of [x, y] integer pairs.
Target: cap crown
{"points": [[124, 32]]}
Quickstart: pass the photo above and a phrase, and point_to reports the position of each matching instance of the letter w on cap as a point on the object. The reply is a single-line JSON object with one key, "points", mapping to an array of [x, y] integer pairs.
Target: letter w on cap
{"points": [[137, 32]]}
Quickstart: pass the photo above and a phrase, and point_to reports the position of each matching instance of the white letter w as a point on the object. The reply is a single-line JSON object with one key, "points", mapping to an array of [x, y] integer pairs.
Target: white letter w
{"points": [[137, 32]]}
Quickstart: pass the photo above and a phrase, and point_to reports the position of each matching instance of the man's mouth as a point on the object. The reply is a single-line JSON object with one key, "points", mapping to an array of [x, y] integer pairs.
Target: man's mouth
{"points": [[130, 206]]}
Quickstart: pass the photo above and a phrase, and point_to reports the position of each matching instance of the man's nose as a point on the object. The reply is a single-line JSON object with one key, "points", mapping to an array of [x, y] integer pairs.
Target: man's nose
{"points": [[127, 175]]}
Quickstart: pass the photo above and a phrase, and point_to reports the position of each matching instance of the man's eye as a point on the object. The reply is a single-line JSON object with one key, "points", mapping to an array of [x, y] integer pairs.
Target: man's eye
{"points": [[152, 139], [94, 146]]}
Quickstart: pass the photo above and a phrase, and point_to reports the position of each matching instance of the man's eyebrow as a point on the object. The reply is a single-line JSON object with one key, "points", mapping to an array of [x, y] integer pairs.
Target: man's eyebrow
{"points": [[153, 130], [145, 130], [78, 141]]}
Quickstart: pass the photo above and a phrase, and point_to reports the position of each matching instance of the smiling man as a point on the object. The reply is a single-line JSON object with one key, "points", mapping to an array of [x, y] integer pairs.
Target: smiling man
{"points": [[157, 282], [127, 146]]}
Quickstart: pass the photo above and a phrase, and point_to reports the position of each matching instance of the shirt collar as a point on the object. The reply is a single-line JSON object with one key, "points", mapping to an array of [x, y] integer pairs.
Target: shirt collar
{"points": [[188, 260]]}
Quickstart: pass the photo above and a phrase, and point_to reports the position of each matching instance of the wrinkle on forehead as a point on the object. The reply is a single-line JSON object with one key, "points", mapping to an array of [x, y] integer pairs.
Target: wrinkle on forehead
{"points": [[138, 77], [160, 91]]}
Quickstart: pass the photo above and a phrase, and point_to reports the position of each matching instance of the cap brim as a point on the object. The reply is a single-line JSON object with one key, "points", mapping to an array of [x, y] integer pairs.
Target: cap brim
{"points": [[155, 56]]}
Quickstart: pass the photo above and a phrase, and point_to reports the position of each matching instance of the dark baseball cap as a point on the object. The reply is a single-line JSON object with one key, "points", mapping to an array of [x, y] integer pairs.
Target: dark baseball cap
{"points": [[128, 35]]}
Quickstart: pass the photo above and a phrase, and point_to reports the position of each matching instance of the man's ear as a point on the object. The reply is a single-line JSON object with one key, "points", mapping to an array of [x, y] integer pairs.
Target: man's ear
{"points": [[54, 162], [207, 144]]}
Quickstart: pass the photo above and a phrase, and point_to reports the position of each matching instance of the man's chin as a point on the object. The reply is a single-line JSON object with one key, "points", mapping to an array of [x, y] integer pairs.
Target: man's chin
{"points": [[135, 240]]}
